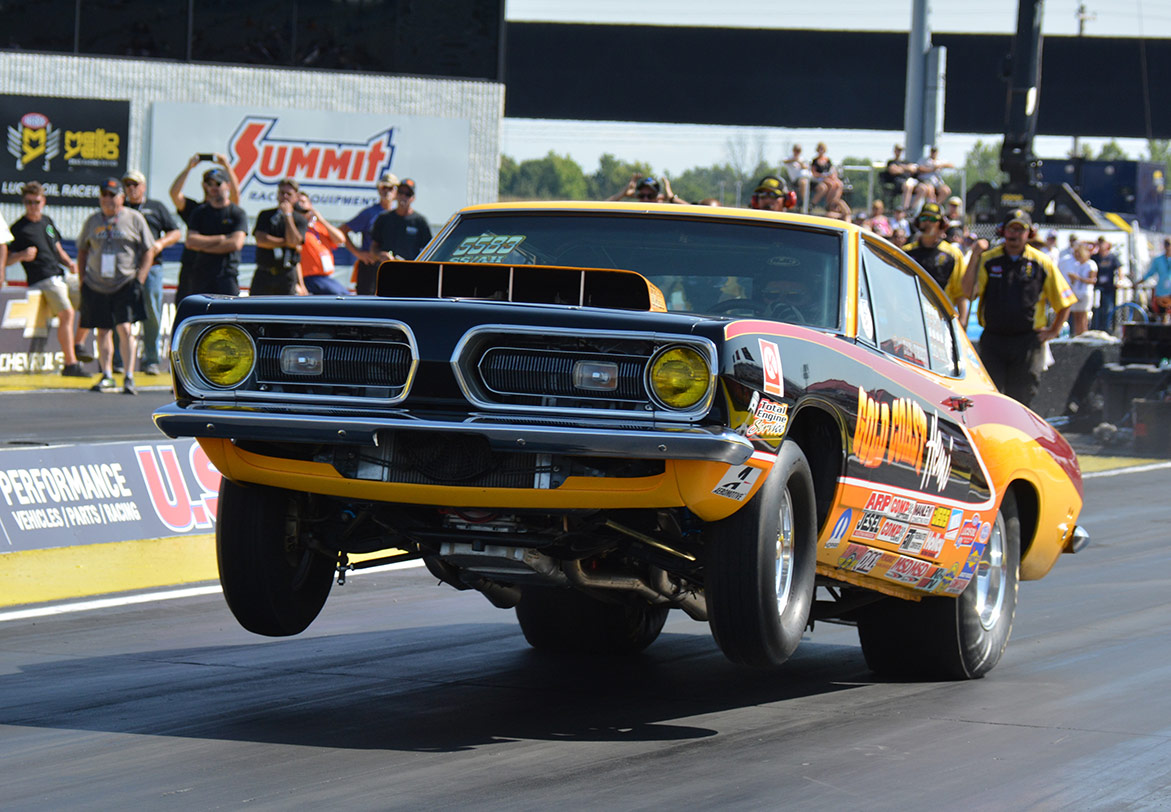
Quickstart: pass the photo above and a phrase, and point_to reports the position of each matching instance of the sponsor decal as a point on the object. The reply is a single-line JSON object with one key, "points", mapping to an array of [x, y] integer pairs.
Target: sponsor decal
{"points": [[770, 363], [868, 561], [969, 531], [941, 516], [938, 463], [973, 560], [840, 528], [909, 570], [936, 579], [737, 482], [923, 513], [985, 531], [491, 248], [771, 420], [933, 545], [953, 524], [958, 584], [913, 541], [867, 527], [891, 530], [850, 555], [69, 145], [260, 156]]}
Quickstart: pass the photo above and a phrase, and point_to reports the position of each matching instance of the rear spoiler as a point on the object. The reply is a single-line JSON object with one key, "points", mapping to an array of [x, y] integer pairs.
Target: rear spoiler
{"points": [[534, 284]]}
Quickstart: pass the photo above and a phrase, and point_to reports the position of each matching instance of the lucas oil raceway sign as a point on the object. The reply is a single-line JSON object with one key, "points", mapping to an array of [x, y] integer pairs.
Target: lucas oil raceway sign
{"points": [[337, 158], [66, 496]]}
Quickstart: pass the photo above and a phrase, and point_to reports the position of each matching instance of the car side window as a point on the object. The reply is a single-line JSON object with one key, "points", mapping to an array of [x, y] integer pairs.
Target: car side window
{"points": [[865, 310], [895, 302], [941, 343]]}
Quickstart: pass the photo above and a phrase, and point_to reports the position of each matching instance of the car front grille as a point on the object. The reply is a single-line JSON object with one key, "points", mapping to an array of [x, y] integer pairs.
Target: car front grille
{"points": [[536, 372], [344, 363]]}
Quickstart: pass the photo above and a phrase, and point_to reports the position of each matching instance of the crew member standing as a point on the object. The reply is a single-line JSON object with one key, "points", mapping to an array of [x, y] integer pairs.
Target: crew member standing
{"points": [[942, 260], [366, 266], [1014, 281]]}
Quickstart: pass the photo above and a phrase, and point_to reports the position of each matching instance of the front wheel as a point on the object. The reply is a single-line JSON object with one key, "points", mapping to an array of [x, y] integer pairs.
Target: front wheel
{"points": [[761, 566], [951, 638], [273, 583]]}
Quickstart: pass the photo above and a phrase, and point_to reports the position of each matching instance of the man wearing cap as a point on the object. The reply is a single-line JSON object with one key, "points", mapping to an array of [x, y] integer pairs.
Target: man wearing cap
{"points": [[1014, 281], [216, 229], [645, 189], [279, 234], [401, 232], [36, 244], [1106, 285], [166, 233], [366, 267], [115, 252], [942, 260], [772, 194]]}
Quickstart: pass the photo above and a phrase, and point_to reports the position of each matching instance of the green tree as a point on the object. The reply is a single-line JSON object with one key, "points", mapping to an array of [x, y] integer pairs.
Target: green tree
{"points": [[554, 177], [1112, 151], [982, 163]]}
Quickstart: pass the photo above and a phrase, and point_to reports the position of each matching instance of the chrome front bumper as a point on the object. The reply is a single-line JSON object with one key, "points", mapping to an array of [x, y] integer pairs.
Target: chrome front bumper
{"points": [[587, 440]]}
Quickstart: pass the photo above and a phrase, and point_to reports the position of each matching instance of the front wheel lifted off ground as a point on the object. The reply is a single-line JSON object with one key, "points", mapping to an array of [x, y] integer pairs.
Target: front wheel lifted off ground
{"points": [[273, 583], [951, 638], [761, 566]]}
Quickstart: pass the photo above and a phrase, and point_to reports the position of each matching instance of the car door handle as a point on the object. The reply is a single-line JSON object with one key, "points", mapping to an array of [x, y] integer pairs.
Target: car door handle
{"points": [[957, 403]]}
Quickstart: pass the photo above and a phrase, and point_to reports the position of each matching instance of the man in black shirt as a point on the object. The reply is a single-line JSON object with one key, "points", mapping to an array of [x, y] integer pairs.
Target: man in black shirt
{"points": [[216, 230], [401, 232], [36, 244], [166, 233], [1106, 285], [279, 234], [939, 257]]}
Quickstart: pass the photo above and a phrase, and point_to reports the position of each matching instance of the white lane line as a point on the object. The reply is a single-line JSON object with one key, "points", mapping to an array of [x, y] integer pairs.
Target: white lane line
{"points": [[1134, 469], [155, 597]]}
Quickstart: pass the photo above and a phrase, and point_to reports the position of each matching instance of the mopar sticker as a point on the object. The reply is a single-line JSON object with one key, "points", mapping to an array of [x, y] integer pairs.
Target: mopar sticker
{"points": [[839, 531], [737, 482]]}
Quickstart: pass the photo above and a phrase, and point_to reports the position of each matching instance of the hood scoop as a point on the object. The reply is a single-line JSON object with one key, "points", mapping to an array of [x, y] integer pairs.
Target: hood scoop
{"points": [[531, 284]]}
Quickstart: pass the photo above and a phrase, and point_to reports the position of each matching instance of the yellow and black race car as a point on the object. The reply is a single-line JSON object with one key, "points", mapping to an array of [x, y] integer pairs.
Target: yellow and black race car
{"points": [[597, 412]]}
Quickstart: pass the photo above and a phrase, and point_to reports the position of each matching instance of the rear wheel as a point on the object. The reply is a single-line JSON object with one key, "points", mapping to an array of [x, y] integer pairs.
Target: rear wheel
{"points": [[951, 638], [569, 621], [273, 583], [761, 566]]}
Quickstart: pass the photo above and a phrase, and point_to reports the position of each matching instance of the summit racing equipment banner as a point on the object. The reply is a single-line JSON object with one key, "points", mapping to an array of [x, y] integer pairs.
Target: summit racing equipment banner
{"points": [[336, 157], [69, 145], [68, 495]]}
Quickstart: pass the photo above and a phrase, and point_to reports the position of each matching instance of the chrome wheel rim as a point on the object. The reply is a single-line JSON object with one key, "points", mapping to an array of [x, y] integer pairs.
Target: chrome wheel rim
{"points": [[990, 580], [784, 565]]}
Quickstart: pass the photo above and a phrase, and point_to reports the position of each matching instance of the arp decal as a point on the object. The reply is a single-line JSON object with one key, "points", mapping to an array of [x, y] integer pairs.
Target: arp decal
{"points": [[897, 507], [771, 420], [737, 482], [840, 528], [867, 527], [770, 362]]}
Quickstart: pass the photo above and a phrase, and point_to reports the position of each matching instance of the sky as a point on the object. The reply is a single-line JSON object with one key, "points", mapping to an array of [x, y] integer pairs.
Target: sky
{"points": [[673, 148]]}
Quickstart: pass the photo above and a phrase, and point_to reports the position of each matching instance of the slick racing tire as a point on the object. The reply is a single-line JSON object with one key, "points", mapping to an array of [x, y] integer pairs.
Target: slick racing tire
{"points": [[273, 583], [568, 621], [951, 638], [761, 566]]}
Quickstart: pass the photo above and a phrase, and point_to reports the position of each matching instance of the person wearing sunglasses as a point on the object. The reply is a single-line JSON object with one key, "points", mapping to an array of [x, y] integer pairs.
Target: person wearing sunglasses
{"points": [[942, 260], [216, 229]]}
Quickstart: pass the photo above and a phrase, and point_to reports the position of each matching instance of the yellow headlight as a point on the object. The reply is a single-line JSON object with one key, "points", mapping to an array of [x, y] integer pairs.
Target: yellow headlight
{"points": [[225, 355], [680, 377]]}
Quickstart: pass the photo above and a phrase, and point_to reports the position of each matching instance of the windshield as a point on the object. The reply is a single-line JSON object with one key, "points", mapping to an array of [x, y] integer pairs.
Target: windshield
{"points": [[711, 267]]}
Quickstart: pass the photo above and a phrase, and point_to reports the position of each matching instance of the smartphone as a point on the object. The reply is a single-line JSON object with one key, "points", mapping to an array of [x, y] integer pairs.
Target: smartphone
{"points": [[207, 156]]}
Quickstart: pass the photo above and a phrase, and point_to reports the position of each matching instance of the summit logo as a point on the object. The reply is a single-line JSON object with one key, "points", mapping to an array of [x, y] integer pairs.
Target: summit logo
{"points": [[257, 155]]}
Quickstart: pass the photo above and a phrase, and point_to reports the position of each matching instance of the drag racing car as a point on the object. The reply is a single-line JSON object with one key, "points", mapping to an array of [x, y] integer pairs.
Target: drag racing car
{"points": [[595, 413]]}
